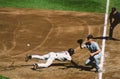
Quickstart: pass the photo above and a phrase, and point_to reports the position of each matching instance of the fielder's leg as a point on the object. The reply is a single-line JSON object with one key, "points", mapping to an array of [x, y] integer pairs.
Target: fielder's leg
{"points": [[89, 61], [97, 57]]}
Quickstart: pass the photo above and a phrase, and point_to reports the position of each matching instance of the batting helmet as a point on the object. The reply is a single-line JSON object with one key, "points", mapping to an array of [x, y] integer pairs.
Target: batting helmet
{"points": [[71, 51], [90, 37]]}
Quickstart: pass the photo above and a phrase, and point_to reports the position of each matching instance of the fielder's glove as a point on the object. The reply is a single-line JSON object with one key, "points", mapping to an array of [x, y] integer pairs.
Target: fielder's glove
{"points": [[80, 41]]}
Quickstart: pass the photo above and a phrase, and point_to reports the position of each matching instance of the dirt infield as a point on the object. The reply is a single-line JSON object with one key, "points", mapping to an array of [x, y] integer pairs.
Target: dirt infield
{"points": [[27, 31]]}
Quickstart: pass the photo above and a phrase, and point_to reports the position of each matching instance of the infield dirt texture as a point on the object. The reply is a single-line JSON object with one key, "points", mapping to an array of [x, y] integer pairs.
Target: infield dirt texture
{"points": [[46, 31]]}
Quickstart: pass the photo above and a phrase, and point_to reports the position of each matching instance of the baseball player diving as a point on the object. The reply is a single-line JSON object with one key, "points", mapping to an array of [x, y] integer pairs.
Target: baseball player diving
{"points": [[50, 57], [95, 52]]}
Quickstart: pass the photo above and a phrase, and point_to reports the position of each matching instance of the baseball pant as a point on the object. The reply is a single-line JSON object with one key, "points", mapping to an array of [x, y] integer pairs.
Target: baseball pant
{"points": [[50, 57], [94, 59]]}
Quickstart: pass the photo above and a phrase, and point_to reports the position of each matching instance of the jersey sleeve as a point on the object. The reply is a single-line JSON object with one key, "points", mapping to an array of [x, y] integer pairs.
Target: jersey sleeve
{"points": [[84, 45], [69, 58]]}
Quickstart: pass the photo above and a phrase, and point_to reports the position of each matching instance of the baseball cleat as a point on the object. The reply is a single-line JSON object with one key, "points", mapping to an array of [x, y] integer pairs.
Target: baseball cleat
{"points": [[35, 66], [27, 58], [98, 71]]}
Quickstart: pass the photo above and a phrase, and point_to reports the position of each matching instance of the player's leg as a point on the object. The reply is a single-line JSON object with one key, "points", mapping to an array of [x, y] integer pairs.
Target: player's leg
{"points": [[48, 63], [97, 58], [42, 57], [113, 25], [89, 61]]}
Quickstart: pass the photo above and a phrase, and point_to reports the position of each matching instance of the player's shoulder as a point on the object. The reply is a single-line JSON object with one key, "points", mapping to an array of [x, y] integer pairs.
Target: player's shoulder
{"points": [[94, 42]]}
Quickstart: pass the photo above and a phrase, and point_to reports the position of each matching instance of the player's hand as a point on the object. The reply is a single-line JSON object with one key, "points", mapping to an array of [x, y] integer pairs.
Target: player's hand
{"points": [[91, 54]]}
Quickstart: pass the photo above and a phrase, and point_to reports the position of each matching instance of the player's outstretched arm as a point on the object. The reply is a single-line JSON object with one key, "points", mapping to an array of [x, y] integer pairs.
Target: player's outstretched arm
{"points": [[75, 64]]}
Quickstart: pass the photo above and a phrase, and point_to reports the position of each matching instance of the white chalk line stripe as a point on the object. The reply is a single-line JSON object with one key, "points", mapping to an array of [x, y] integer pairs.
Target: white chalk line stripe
{"points": [[103, 41]]}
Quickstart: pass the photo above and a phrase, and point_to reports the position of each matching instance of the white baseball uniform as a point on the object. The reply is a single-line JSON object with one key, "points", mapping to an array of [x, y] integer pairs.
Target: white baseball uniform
{"points": [[50, 57]]}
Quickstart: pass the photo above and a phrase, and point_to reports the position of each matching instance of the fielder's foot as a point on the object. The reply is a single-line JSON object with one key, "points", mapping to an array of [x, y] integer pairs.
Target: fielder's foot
{"points": [[35, 66], [28, 57], [98, 70]]}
